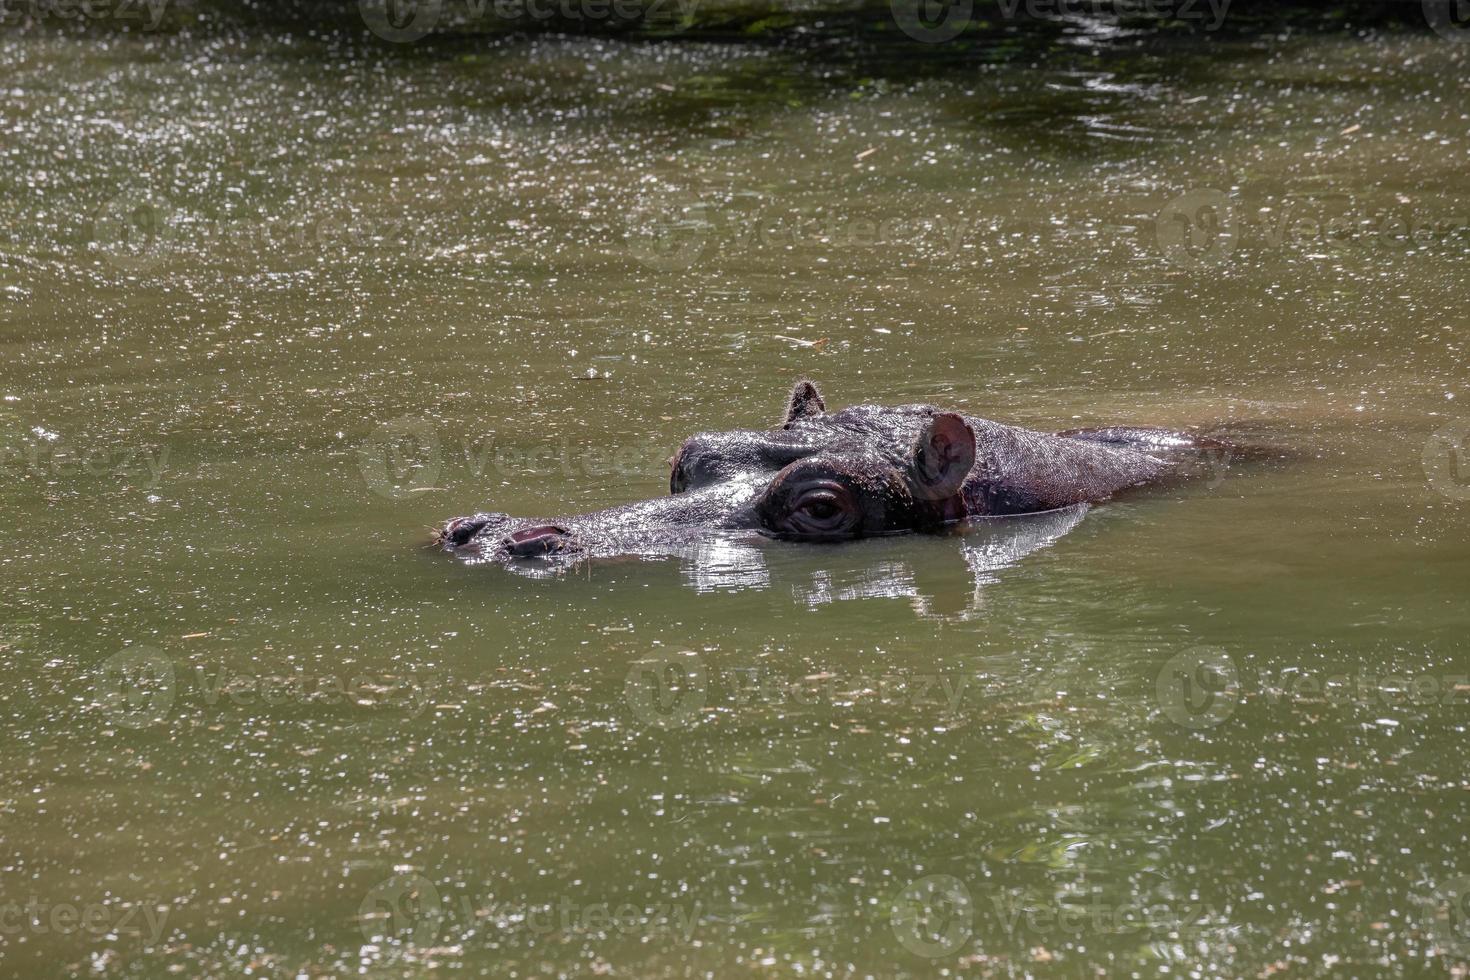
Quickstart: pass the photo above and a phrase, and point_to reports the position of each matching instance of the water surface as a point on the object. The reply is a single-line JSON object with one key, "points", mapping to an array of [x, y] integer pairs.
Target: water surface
{"points": [[274, 305]]}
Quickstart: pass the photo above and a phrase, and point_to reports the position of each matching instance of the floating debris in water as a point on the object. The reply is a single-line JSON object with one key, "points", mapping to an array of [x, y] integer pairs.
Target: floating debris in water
{"points": [[799, 342]]}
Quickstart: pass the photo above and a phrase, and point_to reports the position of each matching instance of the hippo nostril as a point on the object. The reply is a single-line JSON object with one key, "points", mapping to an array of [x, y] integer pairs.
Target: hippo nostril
{"points": [[459, 531], [462, 530], [535, 542]]}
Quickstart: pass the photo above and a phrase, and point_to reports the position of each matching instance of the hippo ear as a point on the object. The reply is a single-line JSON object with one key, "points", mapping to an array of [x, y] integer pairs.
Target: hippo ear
{"points": [[806, 401], [942, 457]]}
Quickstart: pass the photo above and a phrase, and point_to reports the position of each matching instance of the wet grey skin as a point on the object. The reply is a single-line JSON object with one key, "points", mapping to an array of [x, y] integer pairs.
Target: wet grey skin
{"points": [[859, 472]]}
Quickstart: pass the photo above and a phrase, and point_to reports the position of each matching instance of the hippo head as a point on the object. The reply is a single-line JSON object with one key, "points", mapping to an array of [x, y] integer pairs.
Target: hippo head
{"points": [[819, 476]]}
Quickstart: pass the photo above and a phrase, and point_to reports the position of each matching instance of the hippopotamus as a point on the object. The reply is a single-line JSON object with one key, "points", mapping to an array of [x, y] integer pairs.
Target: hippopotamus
{"points": [[867, 470]]}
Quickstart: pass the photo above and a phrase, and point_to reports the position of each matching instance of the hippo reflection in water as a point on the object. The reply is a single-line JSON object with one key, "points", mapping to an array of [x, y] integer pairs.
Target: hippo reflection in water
{"points": [[860, 472]]}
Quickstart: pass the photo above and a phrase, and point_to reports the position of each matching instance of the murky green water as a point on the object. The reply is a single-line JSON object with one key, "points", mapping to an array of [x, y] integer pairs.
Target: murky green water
{"points": [[271, 307]]}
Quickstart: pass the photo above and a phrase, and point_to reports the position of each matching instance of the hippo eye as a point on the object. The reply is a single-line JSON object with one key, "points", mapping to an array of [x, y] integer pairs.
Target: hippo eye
{"points": [[822, 511]]}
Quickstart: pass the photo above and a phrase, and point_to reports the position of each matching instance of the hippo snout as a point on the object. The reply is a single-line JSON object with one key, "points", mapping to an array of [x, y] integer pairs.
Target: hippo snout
{"points": [[492, 534], [538, 541], [461, 530]]}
